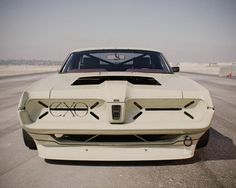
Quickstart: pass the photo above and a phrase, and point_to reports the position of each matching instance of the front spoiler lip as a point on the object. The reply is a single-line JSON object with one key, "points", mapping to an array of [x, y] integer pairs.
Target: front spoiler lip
{"points": [[148, 144], [50, 140], [116, 132], [117, 153]]}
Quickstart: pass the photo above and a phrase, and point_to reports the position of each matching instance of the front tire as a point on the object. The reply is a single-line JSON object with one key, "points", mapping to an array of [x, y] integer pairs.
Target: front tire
{"points": [[28, 140], [203, 141]]}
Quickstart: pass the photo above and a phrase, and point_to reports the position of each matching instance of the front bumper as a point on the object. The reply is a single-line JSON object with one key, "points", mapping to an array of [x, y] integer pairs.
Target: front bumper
{"points": [[117, 153], [50, 148], [150, 122]]}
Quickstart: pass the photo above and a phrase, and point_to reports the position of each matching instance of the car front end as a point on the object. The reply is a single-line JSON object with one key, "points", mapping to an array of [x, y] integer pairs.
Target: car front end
{"points": [[116, 115]]}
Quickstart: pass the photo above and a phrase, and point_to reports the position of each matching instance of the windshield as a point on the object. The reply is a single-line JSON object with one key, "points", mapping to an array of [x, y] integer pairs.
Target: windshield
{"points": [[116, 60]]}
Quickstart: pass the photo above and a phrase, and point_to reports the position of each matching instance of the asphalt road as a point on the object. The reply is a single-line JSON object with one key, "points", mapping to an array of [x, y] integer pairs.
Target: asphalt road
{"points": [[213, 166]]}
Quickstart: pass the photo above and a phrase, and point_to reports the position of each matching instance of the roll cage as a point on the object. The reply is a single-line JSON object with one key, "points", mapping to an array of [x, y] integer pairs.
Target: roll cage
{"points": [[76, 61]]}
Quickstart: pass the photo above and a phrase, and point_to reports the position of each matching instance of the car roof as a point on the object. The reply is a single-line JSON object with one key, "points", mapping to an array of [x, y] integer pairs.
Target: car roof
{"points": [[112, 48]]}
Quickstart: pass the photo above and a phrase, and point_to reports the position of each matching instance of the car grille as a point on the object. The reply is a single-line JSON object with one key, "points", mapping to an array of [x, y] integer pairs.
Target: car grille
{"points": [[115, 138]]}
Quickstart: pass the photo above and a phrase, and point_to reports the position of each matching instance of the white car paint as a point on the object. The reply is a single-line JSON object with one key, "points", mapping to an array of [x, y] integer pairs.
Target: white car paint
{"points": [[174, 92]]}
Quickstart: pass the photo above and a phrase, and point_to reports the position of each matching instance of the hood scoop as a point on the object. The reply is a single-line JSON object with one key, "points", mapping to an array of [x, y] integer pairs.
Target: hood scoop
{"points": [[96, 80]]}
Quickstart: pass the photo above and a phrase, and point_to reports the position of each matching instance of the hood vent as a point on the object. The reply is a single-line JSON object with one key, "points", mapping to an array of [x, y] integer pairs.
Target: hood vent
{"points": [[96, 80]]}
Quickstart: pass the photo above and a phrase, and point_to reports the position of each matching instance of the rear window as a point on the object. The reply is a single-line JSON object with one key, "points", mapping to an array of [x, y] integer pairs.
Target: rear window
{"points": [[116, 60]]}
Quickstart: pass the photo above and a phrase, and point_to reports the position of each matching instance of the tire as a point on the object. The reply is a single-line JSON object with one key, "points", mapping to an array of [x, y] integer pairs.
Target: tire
{"points": [[28, 140], [203, 141]]}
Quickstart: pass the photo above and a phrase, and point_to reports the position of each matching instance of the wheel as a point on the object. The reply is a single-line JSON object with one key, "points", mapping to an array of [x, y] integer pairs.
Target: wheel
{"points": [[203, 141], [28, 140]]}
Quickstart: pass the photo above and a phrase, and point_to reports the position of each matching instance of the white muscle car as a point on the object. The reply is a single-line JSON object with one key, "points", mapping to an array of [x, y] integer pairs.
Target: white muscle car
{"points": [[116, 104]]}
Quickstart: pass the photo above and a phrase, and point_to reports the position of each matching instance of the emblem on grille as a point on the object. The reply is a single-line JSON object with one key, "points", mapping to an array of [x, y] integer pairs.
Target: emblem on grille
{"points": [[63, 109]]}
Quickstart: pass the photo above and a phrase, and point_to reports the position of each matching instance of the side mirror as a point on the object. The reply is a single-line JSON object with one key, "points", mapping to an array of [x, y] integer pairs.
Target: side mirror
{"points": [[175, 69]]}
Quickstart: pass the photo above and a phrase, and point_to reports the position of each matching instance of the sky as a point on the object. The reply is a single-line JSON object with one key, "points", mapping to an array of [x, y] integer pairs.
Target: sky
{"points": [[183, 30]]}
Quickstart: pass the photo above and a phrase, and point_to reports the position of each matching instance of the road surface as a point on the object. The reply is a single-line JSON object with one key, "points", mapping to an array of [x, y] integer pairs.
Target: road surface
{"points": [[213, 166]]}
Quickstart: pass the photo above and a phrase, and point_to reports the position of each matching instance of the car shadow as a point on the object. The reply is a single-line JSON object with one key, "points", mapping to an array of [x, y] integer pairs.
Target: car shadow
{"points": [[219, 147]]}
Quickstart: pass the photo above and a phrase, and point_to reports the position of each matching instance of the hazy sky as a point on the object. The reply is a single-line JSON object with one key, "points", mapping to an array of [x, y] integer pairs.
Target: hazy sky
{"points": [[184, 30]]}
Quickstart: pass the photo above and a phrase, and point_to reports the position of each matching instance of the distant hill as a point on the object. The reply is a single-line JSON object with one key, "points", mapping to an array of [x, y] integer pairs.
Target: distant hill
{"points": [[29, 62]]}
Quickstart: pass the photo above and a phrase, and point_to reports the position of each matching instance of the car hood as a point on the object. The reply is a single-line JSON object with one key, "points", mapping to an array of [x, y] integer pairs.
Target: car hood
{"points": [[170, 86]]}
